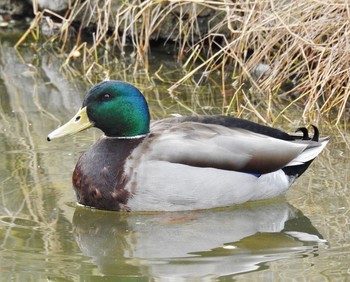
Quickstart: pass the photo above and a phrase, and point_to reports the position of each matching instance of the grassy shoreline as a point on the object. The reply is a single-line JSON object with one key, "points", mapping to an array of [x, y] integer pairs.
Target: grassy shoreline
{"points": [[297, 51]]}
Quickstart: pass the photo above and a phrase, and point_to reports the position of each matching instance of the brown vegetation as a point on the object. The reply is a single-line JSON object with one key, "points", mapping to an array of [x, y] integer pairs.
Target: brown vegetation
{"points": [[297, 50]]}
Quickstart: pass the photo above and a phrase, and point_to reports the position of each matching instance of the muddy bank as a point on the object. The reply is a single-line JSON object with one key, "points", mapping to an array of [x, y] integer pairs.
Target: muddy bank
{"points": [[18, 8], [89, 14]]}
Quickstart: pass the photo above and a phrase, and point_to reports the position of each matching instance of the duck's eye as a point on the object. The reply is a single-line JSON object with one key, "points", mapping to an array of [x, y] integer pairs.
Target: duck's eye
{"points": [[106, 97]]}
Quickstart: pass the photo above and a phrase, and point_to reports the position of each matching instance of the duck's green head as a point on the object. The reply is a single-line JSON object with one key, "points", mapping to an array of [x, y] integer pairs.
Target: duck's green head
{"points": [[117, 108]]}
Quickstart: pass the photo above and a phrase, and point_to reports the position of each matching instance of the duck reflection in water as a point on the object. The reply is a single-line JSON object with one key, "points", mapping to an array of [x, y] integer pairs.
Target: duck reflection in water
{"points": [[215, 242]]}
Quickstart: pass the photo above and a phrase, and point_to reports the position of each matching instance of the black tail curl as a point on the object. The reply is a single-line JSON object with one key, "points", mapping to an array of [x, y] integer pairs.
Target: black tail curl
{"points": [[298, 170], [305, 132]]}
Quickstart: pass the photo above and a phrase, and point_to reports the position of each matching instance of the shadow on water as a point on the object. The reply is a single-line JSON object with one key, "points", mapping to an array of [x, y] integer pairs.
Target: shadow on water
{"points": [[45, 237]]}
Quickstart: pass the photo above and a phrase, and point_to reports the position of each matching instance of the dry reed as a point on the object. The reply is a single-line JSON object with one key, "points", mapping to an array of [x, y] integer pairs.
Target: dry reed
{"points": [[297, 50]]}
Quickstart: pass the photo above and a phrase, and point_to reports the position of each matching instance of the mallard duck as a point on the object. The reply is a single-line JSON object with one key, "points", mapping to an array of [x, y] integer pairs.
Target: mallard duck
{"points": [[181, 163]]}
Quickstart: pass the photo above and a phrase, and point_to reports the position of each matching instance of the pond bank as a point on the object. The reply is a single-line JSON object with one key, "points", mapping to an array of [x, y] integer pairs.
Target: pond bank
{"points": [[205, 17], [295, 44]]}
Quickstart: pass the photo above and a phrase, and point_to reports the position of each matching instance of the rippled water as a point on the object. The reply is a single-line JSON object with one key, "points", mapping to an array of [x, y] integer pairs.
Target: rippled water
{"points": [[45, 236]]}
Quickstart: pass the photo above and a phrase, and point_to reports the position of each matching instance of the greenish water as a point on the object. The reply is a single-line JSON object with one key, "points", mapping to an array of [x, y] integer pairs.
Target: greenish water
{"points": [[45, 236]]}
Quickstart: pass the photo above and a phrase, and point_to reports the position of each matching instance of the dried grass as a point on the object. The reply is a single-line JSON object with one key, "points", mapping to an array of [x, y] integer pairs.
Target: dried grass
{"points": [[302, 47]]}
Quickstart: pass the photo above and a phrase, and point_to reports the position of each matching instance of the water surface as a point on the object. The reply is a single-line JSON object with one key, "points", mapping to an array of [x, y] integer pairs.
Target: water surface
{"points": [[45, 236]]}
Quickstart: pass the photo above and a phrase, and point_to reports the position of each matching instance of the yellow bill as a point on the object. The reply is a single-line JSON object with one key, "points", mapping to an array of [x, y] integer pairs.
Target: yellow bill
{"points": [[78, 123]]}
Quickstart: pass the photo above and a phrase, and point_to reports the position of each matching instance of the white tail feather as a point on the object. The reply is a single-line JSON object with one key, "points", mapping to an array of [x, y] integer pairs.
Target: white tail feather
{"points": [[309, 153]]}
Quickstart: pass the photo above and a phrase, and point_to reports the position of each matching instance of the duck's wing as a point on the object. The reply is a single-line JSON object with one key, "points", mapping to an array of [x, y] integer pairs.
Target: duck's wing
{"points": [[229, 148]]}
